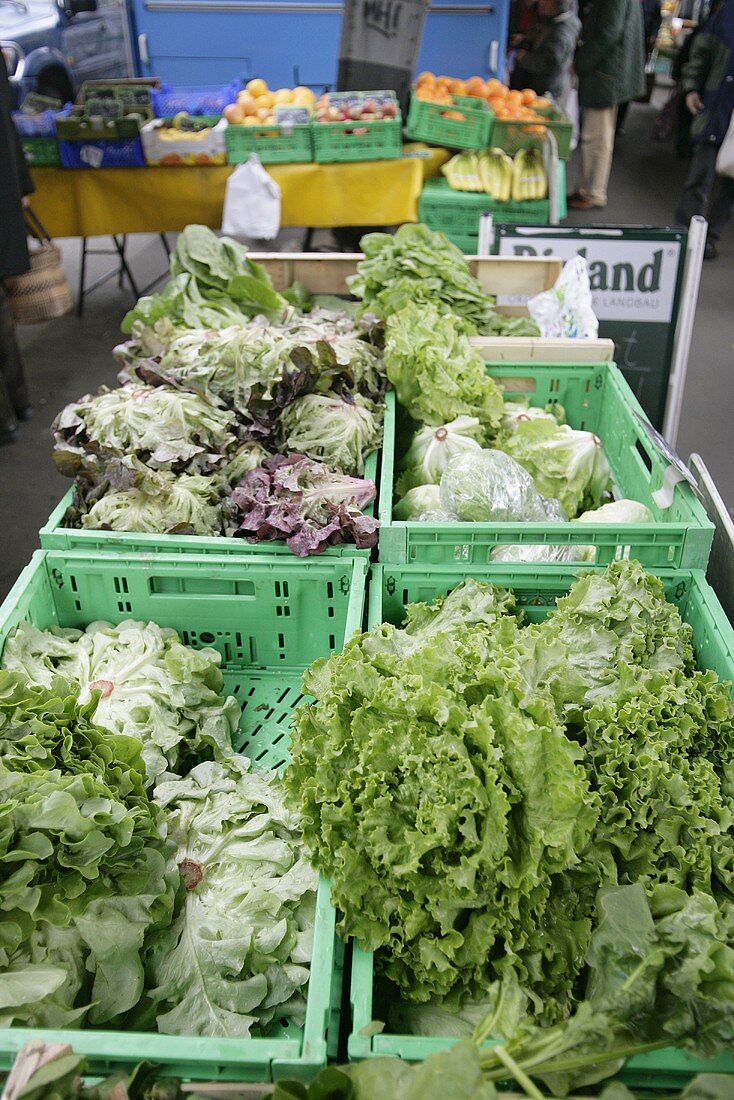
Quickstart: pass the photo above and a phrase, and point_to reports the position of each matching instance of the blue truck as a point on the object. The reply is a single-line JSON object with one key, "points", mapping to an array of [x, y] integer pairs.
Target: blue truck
{"points": [[52, 46]]}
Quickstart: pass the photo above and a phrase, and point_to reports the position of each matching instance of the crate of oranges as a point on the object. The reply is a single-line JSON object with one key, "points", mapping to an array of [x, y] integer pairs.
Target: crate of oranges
{"points": [[443, 116], [516, 119]]}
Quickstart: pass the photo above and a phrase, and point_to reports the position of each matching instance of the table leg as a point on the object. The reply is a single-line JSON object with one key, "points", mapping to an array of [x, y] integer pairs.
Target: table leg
{"points": [[124, 266], [82, 272]]}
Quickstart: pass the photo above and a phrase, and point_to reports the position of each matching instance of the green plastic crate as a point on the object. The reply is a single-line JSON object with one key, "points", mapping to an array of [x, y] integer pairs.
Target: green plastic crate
{"points": [[595, 397], [457, 213], [391, 588], [273, 144], [269, 618], [41, 151], [428, 122], [54, 536], [335, 142], [510, 135]]}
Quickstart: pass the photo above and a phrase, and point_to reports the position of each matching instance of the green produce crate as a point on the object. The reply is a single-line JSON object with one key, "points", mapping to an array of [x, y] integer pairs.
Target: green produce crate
{"points": [[269, 618], [391, 588], [79, 128], [335, 142], [457, 213], [511, 136], [428, 122], [273, 144], [41, 151], [595, 397], [54, 536]]}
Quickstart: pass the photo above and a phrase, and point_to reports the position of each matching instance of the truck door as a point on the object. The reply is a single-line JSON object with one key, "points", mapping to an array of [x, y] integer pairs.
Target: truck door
{"points": [[465, 39], [194, 42]]}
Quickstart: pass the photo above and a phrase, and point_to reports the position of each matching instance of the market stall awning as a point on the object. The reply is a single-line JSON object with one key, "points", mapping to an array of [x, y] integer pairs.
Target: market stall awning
{"points": [[97, 202]]}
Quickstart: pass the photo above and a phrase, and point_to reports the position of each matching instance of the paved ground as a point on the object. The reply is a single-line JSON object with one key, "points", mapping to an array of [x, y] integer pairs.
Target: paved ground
{"points": [[68, 357]]}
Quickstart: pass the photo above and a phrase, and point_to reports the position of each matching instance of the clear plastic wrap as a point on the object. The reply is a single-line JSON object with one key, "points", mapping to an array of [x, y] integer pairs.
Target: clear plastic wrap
{"points": [[540, 554], [490, 486]]}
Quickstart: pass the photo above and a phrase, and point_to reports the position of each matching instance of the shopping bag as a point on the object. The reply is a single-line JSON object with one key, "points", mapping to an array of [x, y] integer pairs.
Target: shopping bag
{"points": [[569, 105], [251, 202], [725, 159], [43, 292], [566, 309]]}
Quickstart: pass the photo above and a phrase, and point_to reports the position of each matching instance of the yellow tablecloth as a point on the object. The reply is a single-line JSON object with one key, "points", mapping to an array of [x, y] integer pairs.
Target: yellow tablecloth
{"points": [[96, 202]]}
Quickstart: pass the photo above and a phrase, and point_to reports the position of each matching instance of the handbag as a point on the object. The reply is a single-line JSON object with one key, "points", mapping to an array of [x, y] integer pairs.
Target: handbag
{"points": [[43, 292], [725, 159]]}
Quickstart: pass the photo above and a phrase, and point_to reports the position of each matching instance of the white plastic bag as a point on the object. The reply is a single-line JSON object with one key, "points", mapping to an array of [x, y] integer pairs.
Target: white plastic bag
{"points": [[725, 159], [566, 309], [251, 202], [568, 102]]}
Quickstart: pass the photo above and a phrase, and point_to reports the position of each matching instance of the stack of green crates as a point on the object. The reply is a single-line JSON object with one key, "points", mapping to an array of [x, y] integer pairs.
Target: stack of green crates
{"points": [[457, 213], [269, 618]]}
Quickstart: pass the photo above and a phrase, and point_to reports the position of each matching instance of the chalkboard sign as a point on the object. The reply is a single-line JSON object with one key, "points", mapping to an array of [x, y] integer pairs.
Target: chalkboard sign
{"points": [[635, 276]]}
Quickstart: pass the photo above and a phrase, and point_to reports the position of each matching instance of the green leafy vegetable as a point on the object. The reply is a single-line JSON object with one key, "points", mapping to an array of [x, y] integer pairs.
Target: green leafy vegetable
{"points": [[84, 871], [166, 429], [437, 374], [213, 283], [417, 266], [537, 818], [239, 949], [337, 431], [140, 680]]}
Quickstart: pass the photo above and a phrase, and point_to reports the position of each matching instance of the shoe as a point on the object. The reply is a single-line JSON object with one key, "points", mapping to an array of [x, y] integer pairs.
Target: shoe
{"points": [[574, 197], [710, 251], [25, 412], [8, 435], [581, 203]]}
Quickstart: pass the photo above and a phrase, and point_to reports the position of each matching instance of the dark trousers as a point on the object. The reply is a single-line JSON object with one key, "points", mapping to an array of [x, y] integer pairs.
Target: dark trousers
{"points": [[13, 392], [706, 193]]}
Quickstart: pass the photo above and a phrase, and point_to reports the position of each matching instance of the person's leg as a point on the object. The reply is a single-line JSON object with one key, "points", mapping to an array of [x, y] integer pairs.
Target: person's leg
{"points": [[722, 200], [597, 146], [621, 116], [11, 365], [698, 183]]}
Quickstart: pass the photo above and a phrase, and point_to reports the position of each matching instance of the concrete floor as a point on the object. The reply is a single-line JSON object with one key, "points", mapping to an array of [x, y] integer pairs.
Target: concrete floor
{"points": [[68, 358]]}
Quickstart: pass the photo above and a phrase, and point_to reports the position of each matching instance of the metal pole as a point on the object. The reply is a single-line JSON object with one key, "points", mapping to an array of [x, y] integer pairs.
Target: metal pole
{"points": [[486, 235], [684, 327]]}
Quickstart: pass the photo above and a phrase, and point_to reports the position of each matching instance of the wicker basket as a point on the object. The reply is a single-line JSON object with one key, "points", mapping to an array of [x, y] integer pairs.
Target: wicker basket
{"points": [[43, 292]]}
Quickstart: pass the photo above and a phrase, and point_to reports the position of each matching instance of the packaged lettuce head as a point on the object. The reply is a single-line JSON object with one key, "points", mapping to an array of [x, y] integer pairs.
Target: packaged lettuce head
{"points": [[566, 310], [492, 487], [540, 554]]}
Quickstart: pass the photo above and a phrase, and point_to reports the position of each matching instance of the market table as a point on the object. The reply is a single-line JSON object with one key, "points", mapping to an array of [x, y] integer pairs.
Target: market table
{"points": [[104, 202]]}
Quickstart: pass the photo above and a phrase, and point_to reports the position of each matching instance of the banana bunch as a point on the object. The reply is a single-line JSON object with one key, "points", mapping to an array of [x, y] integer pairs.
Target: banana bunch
{"points": [[496, 171], [498, 175], [529, 180], [462, 172]]}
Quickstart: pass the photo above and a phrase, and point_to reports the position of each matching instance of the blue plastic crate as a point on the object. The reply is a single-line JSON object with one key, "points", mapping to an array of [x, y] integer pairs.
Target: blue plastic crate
{"points": [[205, 100], [39, 126], [102, 153]]}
